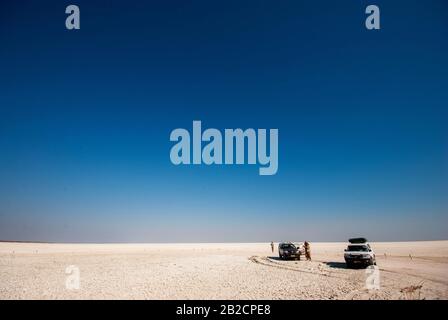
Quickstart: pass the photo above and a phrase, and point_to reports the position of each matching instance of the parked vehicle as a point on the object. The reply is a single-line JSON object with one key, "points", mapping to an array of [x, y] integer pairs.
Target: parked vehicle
{"points": [[359, 253], [288, 250]]}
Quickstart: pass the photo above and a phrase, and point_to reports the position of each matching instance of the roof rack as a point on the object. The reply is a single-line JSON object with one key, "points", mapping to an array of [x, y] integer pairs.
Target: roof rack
{"points": [[357, 240]]}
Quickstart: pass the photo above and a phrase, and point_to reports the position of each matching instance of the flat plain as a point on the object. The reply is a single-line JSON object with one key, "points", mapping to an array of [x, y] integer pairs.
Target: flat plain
{"points": [[407, 270]]}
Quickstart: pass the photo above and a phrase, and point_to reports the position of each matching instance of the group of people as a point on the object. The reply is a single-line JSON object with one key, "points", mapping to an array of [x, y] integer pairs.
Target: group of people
{"points": [[306, 246]]}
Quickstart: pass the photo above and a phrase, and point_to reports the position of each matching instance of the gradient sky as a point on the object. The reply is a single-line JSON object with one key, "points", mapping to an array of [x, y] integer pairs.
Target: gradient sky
{"points": [[85, 119]]}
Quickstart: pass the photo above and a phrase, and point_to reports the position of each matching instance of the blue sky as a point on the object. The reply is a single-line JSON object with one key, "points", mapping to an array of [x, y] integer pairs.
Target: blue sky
{"points": [[85, 119]]}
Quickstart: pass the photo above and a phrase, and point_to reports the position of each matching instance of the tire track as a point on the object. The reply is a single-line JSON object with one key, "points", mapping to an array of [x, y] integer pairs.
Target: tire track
{"points": [[319, 270]]}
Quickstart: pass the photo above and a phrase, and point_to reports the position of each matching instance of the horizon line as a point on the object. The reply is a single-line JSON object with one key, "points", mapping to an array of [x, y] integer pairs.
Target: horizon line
{"points": [[202, 242]]}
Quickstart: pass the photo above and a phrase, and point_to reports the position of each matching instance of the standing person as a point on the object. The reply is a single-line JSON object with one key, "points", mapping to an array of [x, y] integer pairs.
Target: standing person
{"points": [[272, 246], [307, 250]]}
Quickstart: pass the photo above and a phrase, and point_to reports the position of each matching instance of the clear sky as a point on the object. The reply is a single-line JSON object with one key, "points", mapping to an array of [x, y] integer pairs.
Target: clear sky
{"points": [[86, 115]]}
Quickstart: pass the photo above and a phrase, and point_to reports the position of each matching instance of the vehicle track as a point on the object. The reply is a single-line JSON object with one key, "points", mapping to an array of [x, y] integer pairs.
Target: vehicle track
{"points": [[354, 278], [316, 268]]}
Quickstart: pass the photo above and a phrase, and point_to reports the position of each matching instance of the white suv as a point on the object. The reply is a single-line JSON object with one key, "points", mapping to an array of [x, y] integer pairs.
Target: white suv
{"points": [[359, 253]]}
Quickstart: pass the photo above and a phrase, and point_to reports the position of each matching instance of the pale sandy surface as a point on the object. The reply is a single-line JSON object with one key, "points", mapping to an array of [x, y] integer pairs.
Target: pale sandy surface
{"points": [[217, 271]]}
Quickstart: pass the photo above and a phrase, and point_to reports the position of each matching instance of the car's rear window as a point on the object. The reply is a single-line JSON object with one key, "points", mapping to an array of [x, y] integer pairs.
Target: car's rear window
{"points": [[358, 248]]}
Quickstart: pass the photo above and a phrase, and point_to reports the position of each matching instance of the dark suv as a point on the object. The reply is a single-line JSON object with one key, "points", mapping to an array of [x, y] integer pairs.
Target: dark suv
{"points": [[287, 250]]}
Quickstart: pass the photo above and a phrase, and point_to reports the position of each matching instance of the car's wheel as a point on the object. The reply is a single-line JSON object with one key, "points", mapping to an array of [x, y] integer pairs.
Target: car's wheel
{"points": [[280, 256], [349, 265]]}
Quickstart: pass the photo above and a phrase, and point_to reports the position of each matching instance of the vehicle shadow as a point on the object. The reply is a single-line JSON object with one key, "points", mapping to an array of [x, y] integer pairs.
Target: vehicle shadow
{"points": [[277, 258], [337, 265], [342, 265]]}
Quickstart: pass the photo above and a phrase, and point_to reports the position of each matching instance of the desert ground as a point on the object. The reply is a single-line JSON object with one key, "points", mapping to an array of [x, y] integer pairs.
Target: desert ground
{"points": [[407, 270]]}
